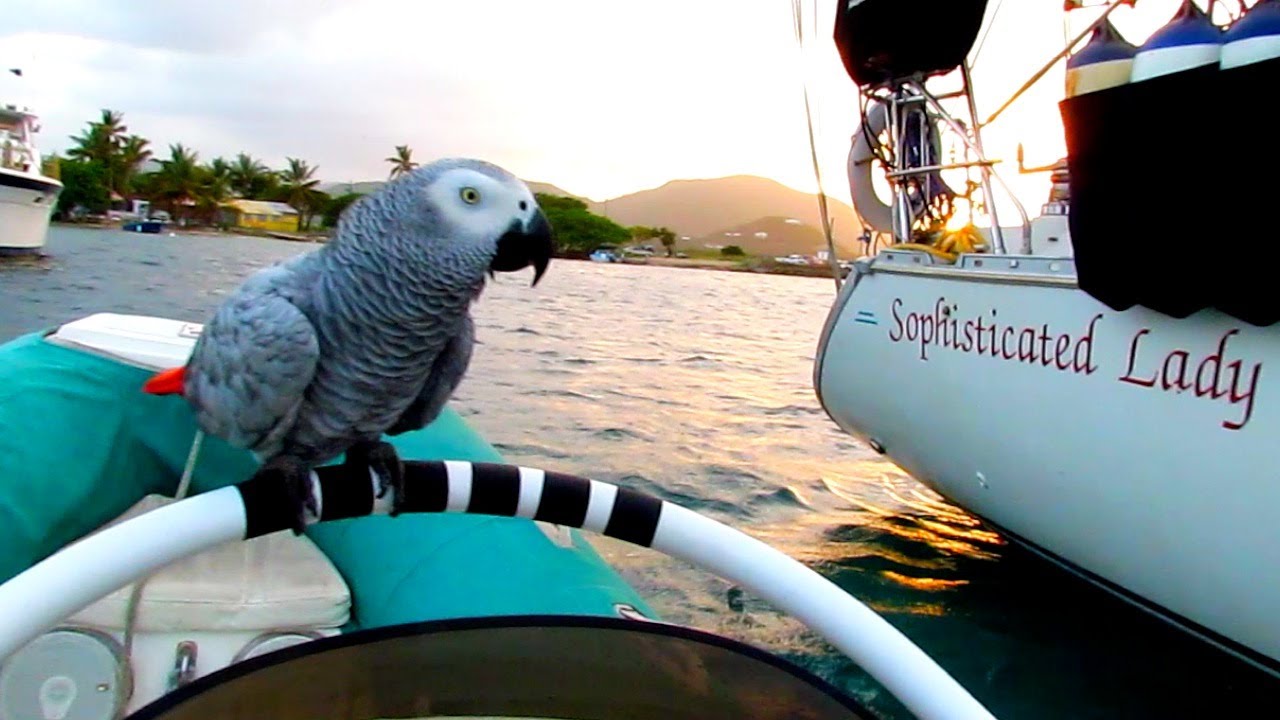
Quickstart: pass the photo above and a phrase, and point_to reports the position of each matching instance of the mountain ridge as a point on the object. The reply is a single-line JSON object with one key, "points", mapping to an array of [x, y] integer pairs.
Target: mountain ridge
{"points": [[700, 208], [696, 208]]}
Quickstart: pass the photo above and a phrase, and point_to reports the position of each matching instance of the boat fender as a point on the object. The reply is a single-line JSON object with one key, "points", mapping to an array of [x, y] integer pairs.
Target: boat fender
{"points": [[1190, 40], [1253, 38], [1106, 61]]}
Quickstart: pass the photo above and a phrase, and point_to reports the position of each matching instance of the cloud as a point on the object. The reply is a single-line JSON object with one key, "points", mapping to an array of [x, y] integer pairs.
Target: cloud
{"points": [[225, 27], [600, 98]]}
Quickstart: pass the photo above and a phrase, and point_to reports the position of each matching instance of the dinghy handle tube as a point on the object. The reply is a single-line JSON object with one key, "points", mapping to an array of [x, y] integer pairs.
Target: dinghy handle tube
{"points": [[74, 577]]}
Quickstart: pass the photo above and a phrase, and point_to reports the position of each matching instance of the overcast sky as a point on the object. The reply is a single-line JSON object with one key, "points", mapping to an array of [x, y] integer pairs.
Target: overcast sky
{"points": [[596, 96]]}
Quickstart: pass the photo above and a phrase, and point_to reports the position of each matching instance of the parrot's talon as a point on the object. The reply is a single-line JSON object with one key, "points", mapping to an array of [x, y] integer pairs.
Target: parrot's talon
{"points": [[296, 477], [384, 461]]}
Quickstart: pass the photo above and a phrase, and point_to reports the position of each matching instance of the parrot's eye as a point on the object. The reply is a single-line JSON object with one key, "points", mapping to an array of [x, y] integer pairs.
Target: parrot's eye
{"points": [[470, 195]]}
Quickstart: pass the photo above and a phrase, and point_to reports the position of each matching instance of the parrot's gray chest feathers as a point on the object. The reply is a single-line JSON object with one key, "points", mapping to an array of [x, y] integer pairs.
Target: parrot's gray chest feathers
{"points": [[378, 350]]}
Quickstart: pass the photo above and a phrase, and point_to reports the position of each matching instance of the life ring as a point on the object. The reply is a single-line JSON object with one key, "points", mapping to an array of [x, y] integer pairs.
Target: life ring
{"points": [[875, 213], [872, 211]]}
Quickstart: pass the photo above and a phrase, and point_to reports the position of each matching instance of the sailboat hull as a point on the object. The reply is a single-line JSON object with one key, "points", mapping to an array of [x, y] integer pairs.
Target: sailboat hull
{"points": [[1134, 448]]}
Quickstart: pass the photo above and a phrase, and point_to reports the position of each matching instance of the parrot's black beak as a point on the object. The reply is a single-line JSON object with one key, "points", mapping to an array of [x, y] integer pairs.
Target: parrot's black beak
{"points": [[531, 242]]}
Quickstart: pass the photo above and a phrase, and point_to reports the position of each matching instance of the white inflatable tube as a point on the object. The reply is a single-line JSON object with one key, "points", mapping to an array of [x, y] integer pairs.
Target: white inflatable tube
{"points": [[77, 575], [853, 628], [71, 579]]}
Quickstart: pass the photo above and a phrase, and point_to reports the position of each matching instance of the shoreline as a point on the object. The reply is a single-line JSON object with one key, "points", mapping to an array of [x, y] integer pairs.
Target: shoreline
{"points": [[312, 238], [749, 264]]}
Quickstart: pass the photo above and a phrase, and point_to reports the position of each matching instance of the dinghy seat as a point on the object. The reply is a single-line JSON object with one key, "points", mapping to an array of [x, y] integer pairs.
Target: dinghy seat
{"points": [[273, 582]]}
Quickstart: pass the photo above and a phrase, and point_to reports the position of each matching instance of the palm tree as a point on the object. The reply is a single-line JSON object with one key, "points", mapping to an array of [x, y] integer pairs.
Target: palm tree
{"points": [[96, 147], [215, 183], [220, 169], [212, 189], [248, 177], [112, 123], [402, 162], [300, 189], [102, 139], [105, 143], [95, 144], [133, 153], [178, 183]]}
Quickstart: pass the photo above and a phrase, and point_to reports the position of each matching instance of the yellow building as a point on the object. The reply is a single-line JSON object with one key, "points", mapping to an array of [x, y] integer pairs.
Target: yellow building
{"points": [[260, 215]]}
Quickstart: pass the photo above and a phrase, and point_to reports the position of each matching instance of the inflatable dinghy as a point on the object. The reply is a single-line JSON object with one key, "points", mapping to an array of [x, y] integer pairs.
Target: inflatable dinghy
{"points": [[482, 599]]}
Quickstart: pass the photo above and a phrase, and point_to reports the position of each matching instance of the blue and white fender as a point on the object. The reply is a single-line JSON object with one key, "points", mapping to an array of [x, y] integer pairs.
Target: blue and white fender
{"points": [[1106, 61], [1254, 37], [1190, 40]]}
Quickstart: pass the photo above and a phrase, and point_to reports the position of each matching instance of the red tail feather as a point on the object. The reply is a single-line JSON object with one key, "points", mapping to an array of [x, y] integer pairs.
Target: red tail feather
{"points": [[168, 382]]}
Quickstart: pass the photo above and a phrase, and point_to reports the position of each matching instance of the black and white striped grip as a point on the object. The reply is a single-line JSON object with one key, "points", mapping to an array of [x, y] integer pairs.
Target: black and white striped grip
{"points": [[474, 488]]}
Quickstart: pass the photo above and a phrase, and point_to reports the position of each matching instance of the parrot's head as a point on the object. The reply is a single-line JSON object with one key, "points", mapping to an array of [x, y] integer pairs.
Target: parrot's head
{"points": [[478, 216]]}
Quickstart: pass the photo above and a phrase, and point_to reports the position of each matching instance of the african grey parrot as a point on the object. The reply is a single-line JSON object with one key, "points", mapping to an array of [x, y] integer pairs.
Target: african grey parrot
{"points": [[370, 334]]}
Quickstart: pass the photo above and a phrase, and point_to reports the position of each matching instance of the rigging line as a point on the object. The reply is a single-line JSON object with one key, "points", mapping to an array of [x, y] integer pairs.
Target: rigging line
{"points": [[983, 39], [822, 198], [813, 147]]}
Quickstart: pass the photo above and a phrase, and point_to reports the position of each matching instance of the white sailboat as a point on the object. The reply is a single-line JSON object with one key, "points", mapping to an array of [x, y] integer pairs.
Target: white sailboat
{"points": [[1091, 383]]}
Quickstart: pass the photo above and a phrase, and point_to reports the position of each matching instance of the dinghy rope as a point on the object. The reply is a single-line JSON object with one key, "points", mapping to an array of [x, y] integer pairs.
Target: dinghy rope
{"points": [[74, 577], [135, 593]]}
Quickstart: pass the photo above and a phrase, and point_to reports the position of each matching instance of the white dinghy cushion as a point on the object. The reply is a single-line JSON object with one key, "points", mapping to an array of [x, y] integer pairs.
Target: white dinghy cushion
{"points": [[271, 582]]}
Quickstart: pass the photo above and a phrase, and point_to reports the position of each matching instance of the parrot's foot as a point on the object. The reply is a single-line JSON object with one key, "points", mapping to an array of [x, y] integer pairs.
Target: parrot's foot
{"points": [[381, 458], [296, 476]]}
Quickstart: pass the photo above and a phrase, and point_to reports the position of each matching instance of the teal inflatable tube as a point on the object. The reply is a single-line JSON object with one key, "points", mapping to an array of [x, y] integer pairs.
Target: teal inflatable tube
{"points": [[80, 443]]}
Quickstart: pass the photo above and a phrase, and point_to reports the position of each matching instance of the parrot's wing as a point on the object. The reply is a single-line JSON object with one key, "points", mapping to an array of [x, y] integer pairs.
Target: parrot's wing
{"points": [[446, 372], [250, 369]]}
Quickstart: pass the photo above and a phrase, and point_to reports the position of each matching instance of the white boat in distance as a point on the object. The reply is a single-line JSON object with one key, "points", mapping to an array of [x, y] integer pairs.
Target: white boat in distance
{"points": [[27, 197], [1099, 394]]}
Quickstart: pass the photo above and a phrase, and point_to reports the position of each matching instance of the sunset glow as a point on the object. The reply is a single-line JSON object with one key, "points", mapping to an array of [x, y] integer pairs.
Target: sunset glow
{"points": [[599, 98]]}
